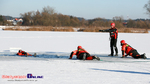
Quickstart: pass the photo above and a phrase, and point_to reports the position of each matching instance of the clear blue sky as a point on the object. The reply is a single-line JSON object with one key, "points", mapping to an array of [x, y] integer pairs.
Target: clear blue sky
{"points": [[88, 9]]}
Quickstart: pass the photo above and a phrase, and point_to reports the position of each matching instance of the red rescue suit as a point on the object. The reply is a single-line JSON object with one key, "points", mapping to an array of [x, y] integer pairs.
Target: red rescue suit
{"points": [[113, 32], [21, 53], [80, 54], [126, 49], [130, 51]]}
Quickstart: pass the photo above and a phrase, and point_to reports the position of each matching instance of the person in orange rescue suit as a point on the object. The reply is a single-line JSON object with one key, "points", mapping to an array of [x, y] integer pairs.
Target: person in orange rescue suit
{"points": [[22, 53], [128, 50], [82, 54], [113, 38]]}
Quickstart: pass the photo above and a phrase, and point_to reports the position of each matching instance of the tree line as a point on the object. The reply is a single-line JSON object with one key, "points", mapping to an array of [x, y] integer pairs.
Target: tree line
{"points": [[48, 17]]}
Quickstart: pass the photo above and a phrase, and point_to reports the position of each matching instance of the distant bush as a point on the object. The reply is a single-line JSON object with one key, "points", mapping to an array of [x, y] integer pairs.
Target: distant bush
{"points": [[127, 31]]}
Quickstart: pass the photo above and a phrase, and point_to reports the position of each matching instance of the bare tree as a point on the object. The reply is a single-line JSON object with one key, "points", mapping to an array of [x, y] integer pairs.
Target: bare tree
{"points": [[1, 20], [147, 7], [27, 18], [118, 18], [48, 10]]}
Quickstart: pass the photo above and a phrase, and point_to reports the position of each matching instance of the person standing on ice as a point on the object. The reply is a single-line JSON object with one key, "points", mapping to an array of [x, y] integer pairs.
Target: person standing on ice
{"points": [[113, 38], [128, 50], [82, 54]]}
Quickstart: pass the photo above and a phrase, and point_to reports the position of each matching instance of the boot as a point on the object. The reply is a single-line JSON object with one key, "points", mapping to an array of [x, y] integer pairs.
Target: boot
{"points": [[144, 56], [110, 55], [95, 57], [116, 54]]}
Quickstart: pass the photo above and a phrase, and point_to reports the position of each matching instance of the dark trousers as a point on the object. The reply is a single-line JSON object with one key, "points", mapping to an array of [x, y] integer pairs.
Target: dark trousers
{"points": [[113, 45], [136, 55], [24, 53], [82, 54]]}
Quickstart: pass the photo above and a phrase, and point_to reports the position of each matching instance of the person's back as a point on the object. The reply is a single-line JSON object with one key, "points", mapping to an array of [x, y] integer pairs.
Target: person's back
{"points": [[128, 50], [82, 54]]}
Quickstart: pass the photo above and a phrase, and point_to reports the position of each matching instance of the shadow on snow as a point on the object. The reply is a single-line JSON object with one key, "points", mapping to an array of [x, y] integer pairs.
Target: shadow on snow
{"points": [[121, 71]]}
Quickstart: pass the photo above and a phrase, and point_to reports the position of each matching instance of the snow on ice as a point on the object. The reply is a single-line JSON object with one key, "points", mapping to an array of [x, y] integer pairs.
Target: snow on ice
{"points": [[54, 67]]}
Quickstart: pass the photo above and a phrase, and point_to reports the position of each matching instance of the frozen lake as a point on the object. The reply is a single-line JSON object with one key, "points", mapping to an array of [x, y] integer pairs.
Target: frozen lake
{"points": [[52, 63]]}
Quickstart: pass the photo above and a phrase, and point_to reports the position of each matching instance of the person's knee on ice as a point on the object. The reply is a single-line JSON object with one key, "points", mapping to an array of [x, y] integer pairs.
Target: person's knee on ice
{"points": [[81, 54], [128, 50]]}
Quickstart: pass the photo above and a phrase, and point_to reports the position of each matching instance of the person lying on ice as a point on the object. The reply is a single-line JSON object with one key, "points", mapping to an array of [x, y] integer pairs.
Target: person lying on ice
{"points": [[130, 51], [82, 54], [22, 53]]}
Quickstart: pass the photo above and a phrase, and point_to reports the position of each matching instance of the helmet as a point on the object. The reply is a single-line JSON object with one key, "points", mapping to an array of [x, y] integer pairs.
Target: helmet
{"points": [[20, 50], [113, 24], [79, 47], [122, 41]]}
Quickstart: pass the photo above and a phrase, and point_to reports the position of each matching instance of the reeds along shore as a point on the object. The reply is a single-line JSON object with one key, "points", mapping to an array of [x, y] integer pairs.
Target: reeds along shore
{"points": [[72, 29]]}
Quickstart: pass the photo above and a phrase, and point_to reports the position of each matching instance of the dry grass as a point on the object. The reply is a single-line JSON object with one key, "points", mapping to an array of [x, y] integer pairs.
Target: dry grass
{"points": [[121, 30], [71, 29], [39, 28], [132, 30]]}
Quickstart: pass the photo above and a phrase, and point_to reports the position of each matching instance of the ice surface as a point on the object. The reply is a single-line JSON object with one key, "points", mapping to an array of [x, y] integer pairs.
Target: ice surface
{"points": [[53, 50]]}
